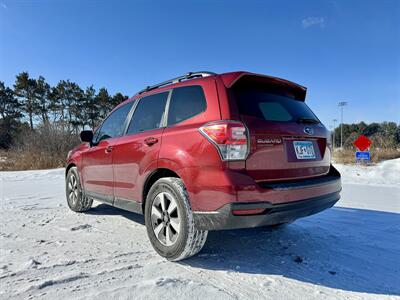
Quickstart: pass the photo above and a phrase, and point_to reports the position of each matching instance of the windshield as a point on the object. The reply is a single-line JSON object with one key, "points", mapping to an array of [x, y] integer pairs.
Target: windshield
{"points": [[273, 107]]}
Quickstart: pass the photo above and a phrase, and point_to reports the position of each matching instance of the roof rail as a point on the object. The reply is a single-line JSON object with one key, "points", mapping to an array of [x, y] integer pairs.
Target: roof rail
{"points": [[189, 75]]}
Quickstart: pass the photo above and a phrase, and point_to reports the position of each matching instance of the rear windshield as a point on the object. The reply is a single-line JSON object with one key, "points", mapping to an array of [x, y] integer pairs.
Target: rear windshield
{"points": [[273, 107]]}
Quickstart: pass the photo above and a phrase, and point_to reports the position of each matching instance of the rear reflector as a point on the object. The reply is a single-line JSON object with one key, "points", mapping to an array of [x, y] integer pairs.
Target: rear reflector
{"points": [[229, 137], [244, 212]]}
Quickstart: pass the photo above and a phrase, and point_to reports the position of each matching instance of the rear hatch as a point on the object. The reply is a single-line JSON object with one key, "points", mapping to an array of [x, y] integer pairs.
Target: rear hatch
{"points": [[287, 141]]}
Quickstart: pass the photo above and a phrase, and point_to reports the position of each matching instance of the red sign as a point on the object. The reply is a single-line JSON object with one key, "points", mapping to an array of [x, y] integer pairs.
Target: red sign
{"points": [[362, 142]]}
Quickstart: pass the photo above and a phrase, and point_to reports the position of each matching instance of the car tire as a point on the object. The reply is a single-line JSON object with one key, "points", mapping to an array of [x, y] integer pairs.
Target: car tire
{"points": [[76, 199], [169, 220]]}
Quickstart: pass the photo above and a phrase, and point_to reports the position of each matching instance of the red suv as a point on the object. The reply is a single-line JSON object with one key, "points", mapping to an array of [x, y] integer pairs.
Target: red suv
{"points": [[204, 152]]}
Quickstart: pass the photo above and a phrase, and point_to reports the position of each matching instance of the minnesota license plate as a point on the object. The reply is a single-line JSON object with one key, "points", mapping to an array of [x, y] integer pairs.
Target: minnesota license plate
{"points": [[304, 149]]}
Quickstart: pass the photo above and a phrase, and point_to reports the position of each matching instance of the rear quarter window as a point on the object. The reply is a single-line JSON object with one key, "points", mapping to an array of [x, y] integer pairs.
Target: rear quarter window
{"points": [[186, 102]]}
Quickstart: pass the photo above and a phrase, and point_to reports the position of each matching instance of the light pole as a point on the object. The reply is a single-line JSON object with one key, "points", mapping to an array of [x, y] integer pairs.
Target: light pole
{"points": [[334, 134], [341, 104]]}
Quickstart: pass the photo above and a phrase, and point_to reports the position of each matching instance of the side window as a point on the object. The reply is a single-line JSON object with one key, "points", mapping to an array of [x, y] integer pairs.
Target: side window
{"points": [[113, 126], [148, 113], [186, 102]]}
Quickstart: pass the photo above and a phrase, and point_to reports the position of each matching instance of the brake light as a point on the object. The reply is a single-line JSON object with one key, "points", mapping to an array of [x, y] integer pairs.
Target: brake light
{"points": [[229, 137]]}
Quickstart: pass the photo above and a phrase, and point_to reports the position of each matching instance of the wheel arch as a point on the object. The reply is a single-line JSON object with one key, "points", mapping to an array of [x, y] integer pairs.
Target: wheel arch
{"points": [[69, 166], [152, 178]]}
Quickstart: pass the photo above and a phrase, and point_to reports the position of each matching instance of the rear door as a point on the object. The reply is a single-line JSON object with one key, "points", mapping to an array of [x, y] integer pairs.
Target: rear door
{"points": [[135, 152], [287, 141], [97, 169]]}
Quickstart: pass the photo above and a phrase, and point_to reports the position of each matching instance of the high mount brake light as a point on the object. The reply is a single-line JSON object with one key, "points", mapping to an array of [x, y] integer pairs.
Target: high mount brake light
{"points": [[230, 138]]}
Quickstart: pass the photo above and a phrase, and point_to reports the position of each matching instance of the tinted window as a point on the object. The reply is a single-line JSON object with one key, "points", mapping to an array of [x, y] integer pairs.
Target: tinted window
{"points": [[274, 111], [148, 113], [186, 102], [272, 107], [113, 126]]}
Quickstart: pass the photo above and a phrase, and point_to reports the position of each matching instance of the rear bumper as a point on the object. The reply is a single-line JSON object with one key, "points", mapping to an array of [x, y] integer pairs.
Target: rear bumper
{"points": [[212, 188], [273, 214]]}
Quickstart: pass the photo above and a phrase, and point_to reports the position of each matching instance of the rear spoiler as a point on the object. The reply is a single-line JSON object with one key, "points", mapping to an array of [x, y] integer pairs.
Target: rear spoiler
{"points": [[230, 79]]}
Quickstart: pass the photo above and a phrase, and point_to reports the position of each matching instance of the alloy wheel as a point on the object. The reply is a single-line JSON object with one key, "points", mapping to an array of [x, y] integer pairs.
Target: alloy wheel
{"points": [[72, 189], [165, 218]]}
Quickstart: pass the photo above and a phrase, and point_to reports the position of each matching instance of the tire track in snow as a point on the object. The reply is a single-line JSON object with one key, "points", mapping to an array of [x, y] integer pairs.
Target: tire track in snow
{"points": [[224, 281]]}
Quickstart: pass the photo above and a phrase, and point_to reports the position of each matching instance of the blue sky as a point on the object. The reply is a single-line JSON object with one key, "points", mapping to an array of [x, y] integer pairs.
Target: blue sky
{"points": [[341, 50]]}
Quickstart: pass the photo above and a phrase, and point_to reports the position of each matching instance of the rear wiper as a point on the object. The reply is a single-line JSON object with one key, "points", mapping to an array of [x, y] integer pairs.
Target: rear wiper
{"points": [[305, 120]]}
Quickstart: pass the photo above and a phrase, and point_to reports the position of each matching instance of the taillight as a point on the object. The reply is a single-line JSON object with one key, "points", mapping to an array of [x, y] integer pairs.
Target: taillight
{"points": [[329, 142], [230, 138]]}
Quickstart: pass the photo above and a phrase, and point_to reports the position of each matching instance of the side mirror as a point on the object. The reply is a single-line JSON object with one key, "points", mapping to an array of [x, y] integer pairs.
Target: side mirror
{"points": [[87, 136]]}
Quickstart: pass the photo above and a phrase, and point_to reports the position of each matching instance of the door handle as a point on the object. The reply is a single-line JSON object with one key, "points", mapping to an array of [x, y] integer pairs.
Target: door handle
{"points": [[109, 149], [150, 141]]}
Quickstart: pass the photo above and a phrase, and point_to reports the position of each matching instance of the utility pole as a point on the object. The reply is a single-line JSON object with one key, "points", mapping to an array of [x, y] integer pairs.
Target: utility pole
{"points": [[341, 104], [334, 134]]}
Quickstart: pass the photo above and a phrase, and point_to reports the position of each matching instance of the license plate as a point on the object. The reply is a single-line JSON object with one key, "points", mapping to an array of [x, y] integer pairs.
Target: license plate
{"points": [[304, 149]]}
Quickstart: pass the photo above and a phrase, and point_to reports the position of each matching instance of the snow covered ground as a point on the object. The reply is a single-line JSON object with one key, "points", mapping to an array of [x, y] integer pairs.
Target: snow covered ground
{"points": [[349, 251]]}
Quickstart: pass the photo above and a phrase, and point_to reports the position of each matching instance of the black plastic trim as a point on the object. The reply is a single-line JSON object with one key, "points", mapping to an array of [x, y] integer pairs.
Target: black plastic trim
{"points": [[273, 213], [129, 205], [100, 197], [125, 204]]}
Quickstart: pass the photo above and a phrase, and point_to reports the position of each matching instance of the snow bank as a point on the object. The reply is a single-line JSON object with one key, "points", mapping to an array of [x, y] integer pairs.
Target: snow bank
{"points": [[384, 173]]}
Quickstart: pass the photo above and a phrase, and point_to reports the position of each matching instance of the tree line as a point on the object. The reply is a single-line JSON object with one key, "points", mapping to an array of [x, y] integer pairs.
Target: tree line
{"points": [[384, 135], [32, 102]]}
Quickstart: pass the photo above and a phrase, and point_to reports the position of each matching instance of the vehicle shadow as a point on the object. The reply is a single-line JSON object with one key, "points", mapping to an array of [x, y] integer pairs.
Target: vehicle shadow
{"points": [[350, 249], [108, 210]]}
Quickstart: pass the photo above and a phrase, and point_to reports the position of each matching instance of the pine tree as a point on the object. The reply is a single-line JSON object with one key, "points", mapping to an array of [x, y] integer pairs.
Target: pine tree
{"points": [[9, 105], [64, 98], [10, 113], [81, 116], [89, 108], [41, 94], [24, 89], [103, 102], [54, 104], [117, 99], [74, 95]]}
